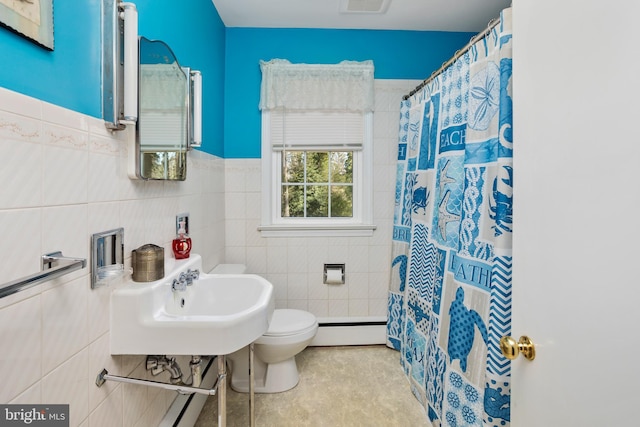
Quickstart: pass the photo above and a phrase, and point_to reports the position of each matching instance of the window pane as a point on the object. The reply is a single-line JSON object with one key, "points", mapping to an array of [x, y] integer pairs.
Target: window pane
{"points": [[310, 178], [341, 201], [342, 166], [292, 201], [318, 201], [317, 167], [293, 166]]}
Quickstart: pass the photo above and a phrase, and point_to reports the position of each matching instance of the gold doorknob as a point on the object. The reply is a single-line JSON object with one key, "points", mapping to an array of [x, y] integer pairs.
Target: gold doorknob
{"points": [[512, 348]]}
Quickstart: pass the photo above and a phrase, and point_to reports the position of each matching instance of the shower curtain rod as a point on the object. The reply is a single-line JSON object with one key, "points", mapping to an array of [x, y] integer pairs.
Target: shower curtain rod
{"points": [[456, 55]]}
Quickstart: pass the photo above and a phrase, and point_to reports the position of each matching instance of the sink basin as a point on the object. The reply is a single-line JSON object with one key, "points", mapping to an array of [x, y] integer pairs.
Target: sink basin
{"points": [[216, 315]]}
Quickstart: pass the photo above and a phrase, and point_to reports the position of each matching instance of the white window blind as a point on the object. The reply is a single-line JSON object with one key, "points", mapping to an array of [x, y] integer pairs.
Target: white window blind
{"points": [[316, 130]]}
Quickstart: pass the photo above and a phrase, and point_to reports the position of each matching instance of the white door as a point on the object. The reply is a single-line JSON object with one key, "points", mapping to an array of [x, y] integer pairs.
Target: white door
{"points": [[576, 281]]}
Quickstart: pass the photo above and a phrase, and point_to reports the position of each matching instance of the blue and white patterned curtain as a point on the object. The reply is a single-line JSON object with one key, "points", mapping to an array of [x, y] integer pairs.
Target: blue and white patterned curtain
{"points": [[450, 290]]}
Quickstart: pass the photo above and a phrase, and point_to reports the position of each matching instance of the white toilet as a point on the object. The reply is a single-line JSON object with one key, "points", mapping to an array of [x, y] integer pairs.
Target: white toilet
{"points": [[275, 369]]}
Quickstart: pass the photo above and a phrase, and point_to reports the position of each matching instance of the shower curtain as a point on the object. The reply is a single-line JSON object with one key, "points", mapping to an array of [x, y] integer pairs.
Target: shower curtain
{"points": [[450, 287]]}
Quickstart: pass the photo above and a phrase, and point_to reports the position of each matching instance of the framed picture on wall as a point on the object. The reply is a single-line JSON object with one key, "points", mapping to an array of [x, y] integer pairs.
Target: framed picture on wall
{"points": [[30, 18]]}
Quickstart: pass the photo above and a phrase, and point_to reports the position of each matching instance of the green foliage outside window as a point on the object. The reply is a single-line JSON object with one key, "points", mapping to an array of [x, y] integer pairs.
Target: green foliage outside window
{"points": [[317, 184]]}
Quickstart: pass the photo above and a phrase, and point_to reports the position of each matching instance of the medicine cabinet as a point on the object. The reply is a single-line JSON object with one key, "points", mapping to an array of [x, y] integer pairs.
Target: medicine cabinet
{"points": [[152, 92]]}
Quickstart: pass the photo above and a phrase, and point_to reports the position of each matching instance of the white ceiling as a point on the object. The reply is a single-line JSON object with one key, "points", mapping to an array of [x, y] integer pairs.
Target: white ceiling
{"points": [[421, 15]]}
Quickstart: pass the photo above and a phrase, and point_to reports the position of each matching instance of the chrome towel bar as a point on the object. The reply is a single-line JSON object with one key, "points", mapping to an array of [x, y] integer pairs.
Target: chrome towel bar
{"points": [[53, 265], [219, 387], [104, 376]]}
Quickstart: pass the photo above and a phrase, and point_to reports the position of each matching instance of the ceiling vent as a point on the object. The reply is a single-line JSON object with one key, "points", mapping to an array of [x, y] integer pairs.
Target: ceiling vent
{"points": [[364, 6]]}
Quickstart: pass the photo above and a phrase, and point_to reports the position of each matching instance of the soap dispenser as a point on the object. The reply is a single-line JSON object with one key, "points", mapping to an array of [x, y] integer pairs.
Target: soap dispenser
{"points": [[182, 243]]}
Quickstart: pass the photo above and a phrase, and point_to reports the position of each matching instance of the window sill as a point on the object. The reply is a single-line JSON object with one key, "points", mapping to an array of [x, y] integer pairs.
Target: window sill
{"points": [[329, 230]]}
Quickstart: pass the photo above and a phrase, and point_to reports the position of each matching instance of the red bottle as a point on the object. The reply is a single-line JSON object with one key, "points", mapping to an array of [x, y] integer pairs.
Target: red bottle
{"points": [[181, 244]]}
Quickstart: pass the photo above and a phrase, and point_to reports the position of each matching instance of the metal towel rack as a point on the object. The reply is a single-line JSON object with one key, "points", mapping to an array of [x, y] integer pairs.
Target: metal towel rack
{"points": [[53, 265]]}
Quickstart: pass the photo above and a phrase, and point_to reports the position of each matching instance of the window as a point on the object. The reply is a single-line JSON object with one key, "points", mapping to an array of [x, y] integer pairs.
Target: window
{"points": [[316, 184], [314, 189], [316, 150]]}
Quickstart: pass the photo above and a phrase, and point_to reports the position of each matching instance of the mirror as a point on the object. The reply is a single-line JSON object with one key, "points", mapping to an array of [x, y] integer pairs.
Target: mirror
{"points": [[162, 130]]}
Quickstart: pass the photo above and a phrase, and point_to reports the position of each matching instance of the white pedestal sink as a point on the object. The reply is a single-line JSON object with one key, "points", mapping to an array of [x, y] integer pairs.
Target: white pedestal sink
{"points": [[216, 315]]}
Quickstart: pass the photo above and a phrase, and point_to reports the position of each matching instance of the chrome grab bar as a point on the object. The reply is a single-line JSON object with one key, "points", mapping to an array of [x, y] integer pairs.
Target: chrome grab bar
{"points": [[53, 265]]}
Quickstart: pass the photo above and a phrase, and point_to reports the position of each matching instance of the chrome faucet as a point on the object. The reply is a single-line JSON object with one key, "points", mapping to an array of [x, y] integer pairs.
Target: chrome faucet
{"points": [[180, 284], [185, 279], [192, 275]]}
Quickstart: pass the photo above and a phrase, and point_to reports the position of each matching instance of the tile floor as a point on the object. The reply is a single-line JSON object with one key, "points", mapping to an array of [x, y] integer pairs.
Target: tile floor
{"points": [[339, 387]]}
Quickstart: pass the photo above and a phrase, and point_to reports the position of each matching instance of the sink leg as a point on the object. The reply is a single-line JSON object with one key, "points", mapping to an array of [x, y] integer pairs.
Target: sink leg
{"points": [[222, 391], [252, 406]]}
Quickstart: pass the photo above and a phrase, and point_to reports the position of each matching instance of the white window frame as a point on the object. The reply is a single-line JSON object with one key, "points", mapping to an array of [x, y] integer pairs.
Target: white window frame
{"points": [[361, 224]]}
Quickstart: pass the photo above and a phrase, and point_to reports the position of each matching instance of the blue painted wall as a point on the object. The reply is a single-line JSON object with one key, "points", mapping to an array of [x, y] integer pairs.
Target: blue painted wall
{"points": [[396, 55], [69, 75], [196, 35]]}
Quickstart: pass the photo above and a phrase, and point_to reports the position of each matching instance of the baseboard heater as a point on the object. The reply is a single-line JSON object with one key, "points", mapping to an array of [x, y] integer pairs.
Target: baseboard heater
{"points": [[334, 331], [373, 323]]}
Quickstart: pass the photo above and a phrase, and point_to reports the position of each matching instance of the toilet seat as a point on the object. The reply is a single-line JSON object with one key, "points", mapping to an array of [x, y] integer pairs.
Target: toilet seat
{"points": [[286, 322]]}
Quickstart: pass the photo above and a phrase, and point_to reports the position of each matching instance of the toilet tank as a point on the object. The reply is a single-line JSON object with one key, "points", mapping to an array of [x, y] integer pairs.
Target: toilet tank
{"points": [[229, 269]]}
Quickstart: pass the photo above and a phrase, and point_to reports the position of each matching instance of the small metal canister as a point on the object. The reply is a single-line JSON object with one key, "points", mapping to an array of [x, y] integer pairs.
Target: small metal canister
{"points": [[148, 263]]}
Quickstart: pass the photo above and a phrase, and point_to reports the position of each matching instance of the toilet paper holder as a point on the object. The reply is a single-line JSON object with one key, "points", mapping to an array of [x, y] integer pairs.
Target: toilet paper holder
{"points": [[333, 274]]}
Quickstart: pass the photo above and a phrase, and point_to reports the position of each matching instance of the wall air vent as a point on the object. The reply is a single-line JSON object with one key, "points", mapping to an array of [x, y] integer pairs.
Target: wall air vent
{"points": [[364, 6]]}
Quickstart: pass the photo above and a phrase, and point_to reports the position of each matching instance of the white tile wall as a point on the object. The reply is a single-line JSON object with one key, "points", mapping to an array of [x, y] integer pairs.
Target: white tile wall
{"points": [[294, 265], [64, 178]]}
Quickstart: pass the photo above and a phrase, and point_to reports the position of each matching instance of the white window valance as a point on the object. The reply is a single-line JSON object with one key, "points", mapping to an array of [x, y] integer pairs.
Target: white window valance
{"points": [[344, 86]]}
